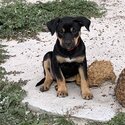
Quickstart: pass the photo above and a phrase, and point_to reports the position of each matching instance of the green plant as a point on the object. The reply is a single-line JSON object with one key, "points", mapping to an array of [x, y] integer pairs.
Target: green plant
{"points": [[21, 19]]}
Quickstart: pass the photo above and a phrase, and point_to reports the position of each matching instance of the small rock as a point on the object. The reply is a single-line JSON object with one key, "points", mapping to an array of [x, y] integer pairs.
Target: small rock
{"points": [[120, 88]]}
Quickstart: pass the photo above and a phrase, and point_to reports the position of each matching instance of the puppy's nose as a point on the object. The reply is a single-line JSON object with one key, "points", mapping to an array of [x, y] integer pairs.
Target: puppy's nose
{"points": [[68, 42]]}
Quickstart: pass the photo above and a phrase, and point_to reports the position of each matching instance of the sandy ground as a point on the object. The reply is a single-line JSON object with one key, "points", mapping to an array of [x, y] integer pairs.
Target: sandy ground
{"points": [[104, 41]]}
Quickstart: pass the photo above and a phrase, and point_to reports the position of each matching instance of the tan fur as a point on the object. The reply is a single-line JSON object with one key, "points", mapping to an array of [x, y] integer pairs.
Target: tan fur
{"points": [[99, 72], [61, 88], [78, 80], [48, 76], [63, 30], [86, 93], [76, 39], [120, 88], [76, 59], [71, 78], [60, 40], [60, 59]]}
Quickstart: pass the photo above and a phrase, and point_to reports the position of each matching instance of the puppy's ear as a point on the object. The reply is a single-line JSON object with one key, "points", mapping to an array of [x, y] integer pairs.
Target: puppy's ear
{"points": [[83, 21], [52, 25]]}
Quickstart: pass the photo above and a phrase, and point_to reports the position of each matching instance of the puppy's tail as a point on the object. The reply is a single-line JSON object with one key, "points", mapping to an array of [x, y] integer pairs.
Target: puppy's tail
{"points": [[40, 82]]}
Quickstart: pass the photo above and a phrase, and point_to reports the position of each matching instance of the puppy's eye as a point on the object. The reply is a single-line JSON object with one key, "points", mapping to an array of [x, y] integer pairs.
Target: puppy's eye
{"points": [[73, 30], [62, 31]]}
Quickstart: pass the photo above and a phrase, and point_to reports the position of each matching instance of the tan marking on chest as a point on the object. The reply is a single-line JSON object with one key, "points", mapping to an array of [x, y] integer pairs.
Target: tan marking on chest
{"points": [[61, 59]]}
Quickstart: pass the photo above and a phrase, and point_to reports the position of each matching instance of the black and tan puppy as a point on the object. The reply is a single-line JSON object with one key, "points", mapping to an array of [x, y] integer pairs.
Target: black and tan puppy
{"points": [[68, 59]]}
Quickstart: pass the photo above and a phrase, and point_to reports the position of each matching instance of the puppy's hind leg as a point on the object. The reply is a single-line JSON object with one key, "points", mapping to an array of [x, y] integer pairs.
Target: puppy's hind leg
{"points": [[47, 72]]}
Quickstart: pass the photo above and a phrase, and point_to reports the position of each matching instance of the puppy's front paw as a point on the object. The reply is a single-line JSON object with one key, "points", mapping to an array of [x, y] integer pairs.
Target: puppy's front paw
{"points": [[62, 91], [87, 95], [62, 94], [44, 88]]}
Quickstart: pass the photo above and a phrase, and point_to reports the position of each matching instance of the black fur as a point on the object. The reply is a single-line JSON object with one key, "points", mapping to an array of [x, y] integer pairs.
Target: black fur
{"points": [[68, 69], [40, 82]]}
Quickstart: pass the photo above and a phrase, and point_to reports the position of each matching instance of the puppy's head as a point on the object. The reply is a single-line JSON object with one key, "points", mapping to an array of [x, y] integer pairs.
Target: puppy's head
{"points": [[68, 30]]}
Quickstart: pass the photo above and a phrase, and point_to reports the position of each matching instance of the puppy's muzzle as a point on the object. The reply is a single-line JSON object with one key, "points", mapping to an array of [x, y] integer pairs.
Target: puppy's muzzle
{"points": [[68, 44]]}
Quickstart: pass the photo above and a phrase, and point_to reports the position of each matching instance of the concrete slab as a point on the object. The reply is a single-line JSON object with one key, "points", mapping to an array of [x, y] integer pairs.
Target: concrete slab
{"points": [[104, 41], [101, 108]]}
